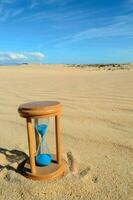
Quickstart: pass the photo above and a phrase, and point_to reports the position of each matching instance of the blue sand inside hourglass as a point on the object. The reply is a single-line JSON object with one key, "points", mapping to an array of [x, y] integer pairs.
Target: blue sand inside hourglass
{"points": [[41, 129], [43, 159]]}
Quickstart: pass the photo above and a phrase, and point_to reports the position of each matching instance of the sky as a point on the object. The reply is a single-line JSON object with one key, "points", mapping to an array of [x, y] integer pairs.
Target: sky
{"points": [[66, 31]]}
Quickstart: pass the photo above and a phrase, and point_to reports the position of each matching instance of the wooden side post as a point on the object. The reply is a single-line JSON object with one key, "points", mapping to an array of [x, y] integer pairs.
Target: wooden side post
{"points": [[58, 138], [31, 146]]}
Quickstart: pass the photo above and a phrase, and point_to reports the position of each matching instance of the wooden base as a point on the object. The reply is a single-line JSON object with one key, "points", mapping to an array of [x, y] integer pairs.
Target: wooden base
{"points": [[53, 171]]}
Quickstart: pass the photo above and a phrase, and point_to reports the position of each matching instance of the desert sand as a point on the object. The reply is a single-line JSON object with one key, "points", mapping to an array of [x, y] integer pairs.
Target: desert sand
{"points": [[97, 131]]}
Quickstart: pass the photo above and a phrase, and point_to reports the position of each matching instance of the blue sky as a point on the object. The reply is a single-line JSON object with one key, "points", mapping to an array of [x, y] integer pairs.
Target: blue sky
{"points": [[66, 31]]}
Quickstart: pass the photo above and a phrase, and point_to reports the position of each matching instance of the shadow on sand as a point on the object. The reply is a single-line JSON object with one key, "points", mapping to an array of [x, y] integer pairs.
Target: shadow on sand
{"points": [[14, 156]]}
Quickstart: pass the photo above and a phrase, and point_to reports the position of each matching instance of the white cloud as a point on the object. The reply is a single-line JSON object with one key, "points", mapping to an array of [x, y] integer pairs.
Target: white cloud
{"points": [[117, 29], [119, 26], [1, 9], [4, 15], [33, 4], [36, 55], [7, 1], [8, 13], [17, 12], [20, 57]]}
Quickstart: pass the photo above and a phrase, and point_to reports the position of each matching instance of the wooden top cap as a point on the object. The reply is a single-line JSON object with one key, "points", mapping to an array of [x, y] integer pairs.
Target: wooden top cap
{"points": [[39, 108]]}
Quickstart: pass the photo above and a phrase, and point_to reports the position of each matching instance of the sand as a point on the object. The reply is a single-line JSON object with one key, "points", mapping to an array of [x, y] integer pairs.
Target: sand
{"points": [[97, 131]]}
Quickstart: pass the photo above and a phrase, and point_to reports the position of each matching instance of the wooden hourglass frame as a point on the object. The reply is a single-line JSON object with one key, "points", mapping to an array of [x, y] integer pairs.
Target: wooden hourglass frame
{"points": [[37, 110]]}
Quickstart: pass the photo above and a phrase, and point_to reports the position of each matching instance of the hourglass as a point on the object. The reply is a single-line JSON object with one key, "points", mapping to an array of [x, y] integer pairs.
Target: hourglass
{"points": [[43, 157], [42, 164]]}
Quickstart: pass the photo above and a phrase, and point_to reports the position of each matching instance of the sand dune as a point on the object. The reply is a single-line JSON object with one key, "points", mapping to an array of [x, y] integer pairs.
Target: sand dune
{"points": [[97, 131]]}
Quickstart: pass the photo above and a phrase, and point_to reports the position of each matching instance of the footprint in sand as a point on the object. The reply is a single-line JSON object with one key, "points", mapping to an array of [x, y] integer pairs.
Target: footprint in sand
{"points": [[84, 172], [73, 167], [95, 179], [72, 163]]}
